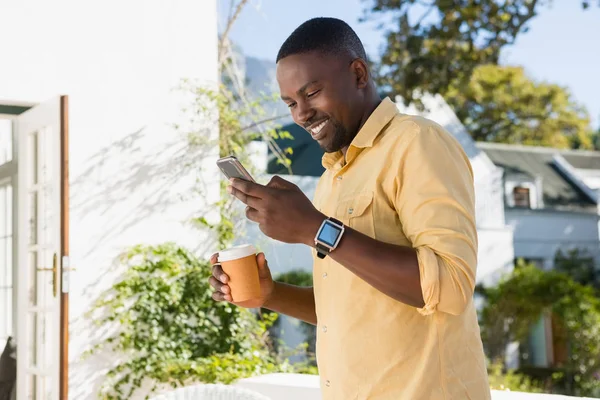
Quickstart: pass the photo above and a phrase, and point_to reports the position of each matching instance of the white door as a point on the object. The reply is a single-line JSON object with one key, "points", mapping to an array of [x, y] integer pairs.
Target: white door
{"points": [[38, 241]]}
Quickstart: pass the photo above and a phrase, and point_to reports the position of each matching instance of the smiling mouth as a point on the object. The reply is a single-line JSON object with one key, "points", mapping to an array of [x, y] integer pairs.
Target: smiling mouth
{"points": [[316, 130]]}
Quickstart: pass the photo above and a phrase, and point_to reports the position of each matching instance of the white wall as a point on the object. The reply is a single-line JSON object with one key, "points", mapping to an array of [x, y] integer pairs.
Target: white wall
{"points": [[495, 256], [540, 233], [119, 62], [489, 198]]}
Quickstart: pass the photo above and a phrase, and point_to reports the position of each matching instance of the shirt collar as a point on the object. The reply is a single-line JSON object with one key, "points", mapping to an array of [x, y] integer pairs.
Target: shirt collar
{"points": [[377, 121]]}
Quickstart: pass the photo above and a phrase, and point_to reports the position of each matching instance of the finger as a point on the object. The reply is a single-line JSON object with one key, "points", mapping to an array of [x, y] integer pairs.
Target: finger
{"points": [[244, 198], [252, 214], [250, 188], [214, 259], [263, 266], [218, 296], [219, 274], [218, 286]]}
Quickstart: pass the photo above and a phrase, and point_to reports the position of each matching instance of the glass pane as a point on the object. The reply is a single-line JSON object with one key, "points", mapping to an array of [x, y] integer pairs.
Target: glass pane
{"points": [[45, 278], [6, 265], [31, 389], [9, 260], [46, 156], [44, 340], [5, 295], [6, 310], [4, 282], [33, 165], [5, 140], [9, 199], [33, 217], [33, 278], [47, 217], [32, 347], [44, 388], [4, 221]]}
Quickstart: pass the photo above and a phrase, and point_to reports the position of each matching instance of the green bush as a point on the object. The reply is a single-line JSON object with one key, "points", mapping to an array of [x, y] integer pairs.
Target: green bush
{"points": [[170, 331], [309, 366], [529, 292], [510, 380]]}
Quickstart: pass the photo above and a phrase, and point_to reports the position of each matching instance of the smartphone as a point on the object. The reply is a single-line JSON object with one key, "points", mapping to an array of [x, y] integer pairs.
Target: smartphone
{"points": [[233, 168]]}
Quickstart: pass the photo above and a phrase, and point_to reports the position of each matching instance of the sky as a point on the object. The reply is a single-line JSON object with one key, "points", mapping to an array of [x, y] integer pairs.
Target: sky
{"points": [[562, 45]]}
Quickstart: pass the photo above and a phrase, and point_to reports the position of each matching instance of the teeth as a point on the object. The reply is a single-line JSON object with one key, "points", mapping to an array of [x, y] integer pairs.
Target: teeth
{"points": [[318, 128]]}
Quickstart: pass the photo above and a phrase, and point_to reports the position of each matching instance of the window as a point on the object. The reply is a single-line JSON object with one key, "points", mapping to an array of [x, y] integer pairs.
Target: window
{"points": [[560, 344], [522, 197], [7, 171], [6, 147]]}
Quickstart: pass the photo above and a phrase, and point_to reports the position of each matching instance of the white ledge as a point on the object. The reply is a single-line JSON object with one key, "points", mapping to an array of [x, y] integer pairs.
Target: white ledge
{"points": [[307, 387]]}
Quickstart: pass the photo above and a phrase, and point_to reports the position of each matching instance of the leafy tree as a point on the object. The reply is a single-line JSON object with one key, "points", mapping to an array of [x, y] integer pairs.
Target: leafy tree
{"points": [[529, 292], [580, 266], [436, 44], [501, 104], [596, 139]]}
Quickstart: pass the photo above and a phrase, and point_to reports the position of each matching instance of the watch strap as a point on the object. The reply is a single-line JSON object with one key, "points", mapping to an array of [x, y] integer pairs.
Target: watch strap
{"points": [[322, 251], [337, 221]]}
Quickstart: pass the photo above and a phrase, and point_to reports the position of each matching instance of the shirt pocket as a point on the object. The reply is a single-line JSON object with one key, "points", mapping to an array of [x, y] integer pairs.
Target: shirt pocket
{"points": [[356, 211]]}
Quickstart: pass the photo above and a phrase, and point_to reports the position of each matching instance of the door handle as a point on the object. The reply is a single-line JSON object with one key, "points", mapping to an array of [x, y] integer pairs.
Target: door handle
{"points": [[54, 270]]}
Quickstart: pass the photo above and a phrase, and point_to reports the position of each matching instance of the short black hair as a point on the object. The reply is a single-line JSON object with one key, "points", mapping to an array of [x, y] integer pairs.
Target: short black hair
{"points": [[328, 35]]}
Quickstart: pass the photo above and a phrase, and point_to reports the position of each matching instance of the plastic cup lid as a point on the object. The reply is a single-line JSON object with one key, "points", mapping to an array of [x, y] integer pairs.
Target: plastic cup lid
{"points": [[236, 252]]}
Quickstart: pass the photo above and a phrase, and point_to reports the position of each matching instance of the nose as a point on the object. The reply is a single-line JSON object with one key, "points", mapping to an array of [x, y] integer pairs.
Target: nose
{"points": [[303, 113]]}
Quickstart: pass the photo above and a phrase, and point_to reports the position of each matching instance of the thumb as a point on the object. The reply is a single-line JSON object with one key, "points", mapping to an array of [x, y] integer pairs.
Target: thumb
{"points": [[263, 266], [280, 183]]}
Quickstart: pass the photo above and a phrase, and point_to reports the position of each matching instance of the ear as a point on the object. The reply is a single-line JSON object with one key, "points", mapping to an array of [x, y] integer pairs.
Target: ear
{"points": [[360, 69]]}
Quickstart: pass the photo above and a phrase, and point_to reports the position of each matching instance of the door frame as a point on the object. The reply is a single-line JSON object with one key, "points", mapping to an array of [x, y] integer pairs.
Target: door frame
{"points": [[14, 108], [65, 268]]}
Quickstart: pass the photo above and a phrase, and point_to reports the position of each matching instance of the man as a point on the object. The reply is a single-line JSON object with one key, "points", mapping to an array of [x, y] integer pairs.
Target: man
{"points": [[392, 295]]}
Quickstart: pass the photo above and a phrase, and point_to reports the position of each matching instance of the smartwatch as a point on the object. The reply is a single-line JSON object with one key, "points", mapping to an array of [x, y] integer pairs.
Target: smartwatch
{"points": [[328, 236]]}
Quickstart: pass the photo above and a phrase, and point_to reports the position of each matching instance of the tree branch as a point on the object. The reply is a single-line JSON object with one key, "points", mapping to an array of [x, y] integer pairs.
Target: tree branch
{"points": [[263, 121], [530, 14], [224, 36], [431, 8]]}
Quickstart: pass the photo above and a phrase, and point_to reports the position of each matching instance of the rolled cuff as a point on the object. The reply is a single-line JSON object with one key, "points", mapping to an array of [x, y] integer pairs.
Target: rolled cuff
{"points": [[429, 270]]}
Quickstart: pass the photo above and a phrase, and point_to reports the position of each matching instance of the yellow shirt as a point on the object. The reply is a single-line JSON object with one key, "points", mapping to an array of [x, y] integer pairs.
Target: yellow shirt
{"points": [[408, 182]]}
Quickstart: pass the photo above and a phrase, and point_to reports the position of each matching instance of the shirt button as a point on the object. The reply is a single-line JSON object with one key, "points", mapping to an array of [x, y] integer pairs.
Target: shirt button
{"points": [[339, 178], [324, 328], [324, 275], [327, 383]]}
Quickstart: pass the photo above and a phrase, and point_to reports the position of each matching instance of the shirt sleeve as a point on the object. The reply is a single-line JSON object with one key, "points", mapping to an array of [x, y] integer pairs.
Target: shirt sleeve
{"points": [[435, 201]]}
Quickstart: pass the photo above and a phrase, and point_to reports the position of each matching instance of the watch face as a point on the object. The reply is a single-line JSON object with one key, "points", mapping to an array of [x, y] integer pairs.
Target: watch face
{"points": [[329, 234]]}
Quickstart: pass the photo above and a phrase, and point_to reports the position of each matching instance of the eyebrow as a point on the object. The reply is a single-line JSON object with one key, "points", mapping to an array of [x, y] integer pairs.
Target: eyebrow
{"points": [[301, 90]]}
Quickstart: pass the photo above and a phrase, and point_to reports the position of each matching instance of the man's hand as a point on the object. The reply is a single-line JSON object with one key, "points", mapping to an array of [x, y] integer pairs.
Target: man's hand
{"points": [[280, 208], [222, 291]]}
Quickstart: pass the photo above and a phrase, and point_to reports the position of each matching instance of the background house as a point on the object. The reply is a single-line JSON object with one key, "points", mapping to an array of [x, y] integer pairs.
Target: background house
{"points": [[546, 200], [120, 64], [551, 202]]}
